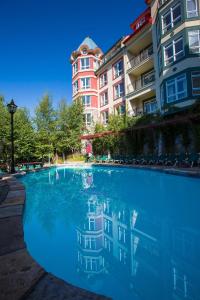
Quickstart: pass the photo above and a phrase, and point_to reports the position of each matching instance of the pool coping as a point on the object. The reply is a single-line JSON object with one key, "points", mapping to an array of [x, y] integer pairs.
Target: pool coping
{"points": [[21, 277]]}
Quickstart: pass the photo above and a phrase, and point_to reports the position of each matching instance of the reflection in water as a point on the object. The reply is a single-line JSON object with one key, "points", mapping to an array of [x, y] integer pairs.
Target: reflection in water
{"points": [[130, 241]]}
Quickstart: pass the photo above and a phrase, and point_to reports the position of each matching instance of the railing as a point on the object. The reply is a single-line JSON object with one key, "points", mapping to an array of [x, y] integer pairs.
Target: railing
{"points": [[141, 83], [137, 60], [161, 2]]}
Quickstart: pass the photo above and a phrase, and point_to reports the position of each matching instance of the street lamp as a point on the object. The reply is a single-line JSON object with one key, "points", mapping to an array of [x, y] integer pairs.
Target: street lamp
{"points": [[12, 107]]}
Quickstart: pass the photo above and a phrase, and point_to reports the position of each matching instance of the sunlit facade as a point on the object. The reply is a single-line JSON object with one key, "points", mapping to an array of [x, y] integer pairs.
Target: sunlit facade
{"points": [[154, 68]]}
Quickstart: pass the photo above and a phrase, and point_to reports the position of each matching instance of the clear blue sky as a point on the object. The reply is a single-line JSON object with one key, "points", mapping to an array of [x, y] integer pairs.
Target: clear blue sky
{"points": [[38, 36]]}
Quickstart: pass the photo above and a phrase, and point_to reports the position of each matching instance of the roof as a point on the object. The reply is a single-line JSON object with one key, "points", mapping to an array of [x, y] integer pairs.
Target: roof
{"points": [[89, 42]]}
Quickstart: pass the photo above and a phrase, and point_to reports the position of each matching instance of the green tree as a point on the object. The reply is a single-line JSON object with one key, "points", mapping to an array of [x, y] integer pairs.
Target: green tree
{"points": [[45, 123], [4, 131], [24, 136], [69, 127], [75, 125]]}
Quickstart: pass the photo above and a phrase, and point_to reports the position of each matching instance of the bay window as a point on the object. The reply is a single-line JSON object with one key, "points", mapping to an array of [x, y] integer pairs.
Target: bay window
{"points": [[104, 98], [171, 18], [90, 243], [174, 51], [196, 83], [86, 100], [118, 90], [118, 69], [176, 88], [85, 83], [85, 63], [192, 8], [194, 41], [75, 87], [150, 106]]}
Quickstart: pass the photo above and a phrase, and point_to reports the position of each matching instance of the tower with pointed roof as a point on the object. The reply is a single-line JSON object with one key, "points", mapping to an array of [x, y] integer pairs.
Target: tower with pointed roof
{"points": [[85, 61]]}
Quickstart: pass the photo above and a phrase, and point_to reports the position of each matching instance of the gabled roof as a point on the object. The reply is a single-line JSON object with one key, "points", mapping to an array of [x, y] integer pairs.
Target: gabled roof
{"points": [[89, 42]]}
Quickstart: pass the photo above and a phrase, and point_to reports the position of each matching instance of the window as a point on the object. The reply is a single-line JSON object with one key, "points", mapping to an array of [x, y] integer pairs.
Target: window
{"points": [[92, 264], [75, 87], [194, 41], [162, 96], [75, 68], [103, 80], [121, 234], [176, 88], [171, 18], [107, 209], [119, 90], [92, 207], [85, 83], [108, 245], [105, 117], [196, 83], [86, 100], [84, 51], [91, 224], [158, 30], [87, 119], [192, 8], [148, 78], [174, 51], [122, 256], [104, 98], [150, 106], [108, 226], [85, 63], [160, 60], [90, 243], [118, 69]]}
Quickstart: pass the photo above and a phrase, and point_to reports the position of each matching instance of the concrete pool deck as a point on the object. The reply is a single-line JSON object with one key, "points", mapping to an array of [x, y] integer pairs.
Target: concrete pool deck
{"points": [[21, 278]]}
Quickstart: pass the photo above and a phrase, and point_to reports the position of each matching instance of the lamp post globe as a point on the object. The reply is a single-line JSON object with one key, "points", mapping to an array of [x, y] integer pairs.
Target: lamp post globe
{"points": [[12, 107]]}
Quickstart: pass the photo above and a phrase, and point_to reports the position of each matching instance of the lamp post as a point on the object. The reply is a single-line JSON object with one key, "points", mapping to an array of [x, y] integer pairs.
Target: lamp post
{"points": [[12, 107]]}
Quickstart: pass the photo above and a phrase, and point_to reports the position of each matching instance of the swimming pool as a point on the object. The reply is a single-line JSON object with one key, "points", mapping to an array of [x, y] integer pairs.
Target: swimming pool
{"points": [[126, 233]]}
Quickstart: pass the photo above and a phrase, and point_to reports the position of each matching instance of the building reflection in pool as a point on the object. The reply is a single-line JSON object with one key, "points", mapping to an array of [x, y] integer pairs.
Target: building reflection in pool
{"points": [[140, 247]]}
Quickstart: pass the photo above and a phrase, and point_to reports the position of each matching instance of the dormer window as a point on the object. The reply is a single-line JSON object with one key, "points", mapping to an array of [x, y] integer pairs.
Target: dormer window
{"points": [[84, 51]]}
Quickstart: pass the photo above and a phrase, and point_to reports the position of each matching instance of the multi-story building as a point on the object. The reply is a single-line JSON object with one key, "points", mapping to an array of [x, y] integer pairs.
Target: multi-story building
{"points": [[154, 68], [110, 76], [139, 67], [85, 61], [176, 43]]}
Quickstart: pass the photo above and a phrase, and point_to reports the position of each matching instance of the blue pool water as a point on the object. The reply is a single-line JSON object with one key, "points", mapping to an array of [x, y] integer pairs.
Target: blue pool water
{"points": [[126, 233]]}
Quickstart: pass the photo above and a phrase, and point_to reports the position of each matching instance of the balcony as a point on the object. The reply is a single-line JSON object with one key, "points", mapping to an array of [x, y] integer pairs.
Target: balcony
{"points": [[141, 63], [141, 87]]}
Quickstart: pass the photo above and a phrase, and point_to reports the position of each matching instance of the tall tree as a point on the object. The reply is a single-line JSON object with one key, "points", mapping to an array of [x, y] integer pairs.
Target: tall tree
{"points": [[24, 136], [45, 121], [4, 131], [69, 127]]}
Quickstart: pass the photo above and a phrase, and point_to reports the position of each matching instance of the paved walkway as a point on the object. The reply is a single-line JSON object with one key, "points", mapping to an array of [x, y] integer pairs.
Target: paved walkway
{"points": [[21, 278]]}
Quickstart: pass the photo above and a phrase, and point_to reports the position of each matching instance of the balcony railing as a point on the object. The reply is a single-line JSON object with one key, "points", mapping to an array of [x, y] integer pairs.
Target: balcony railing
{"points": [[161, 2], [141, 84], [143, 56]]}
